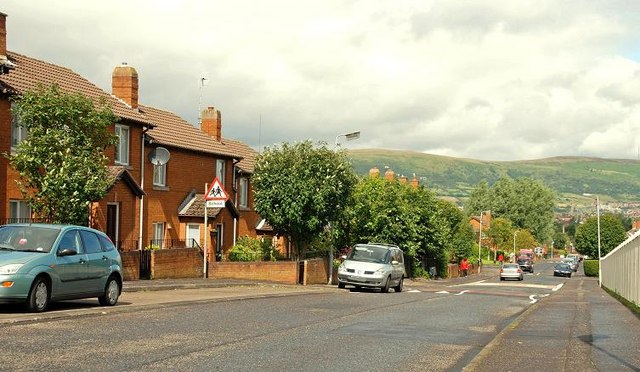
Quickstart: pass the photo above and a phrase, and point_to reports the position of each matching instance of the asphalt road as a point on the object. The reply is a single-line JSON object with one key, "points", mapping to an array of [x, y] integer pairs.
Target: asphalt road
{"points": [[460, 324]]}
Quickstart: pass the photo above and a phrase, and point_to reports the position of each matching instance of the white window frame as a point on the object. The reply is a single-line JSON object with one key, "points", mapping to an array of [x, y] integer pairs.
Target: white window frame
{"points": [[188, 236], [121, 155], [220, 165], [18, 133], [243, 193], [160, 175], [158, 233], [19, 210]]}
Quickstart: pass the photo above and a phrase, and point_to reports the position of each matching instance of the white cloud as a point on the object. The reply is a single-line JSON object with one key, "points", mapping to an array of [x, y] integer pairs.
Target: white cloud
{"points": [[496, 80]]}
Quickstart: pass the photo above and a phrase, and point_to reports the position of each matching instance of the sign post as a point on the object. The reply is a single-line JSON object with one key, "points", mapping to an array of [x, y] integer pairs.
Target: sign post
{"points": [[215, 197]]}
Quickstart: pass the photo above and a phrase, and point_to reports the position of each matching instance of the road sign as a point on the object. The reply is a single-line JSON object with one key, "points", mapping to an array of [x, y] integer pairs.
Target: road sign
{"points": [[216, 191], [215, 203]]}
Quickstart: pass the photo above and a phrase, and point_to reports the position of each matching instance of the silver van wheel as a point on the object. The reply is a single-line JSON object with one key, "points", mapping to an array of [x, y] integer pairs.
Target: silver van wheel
{"points": [[387, 284], [400, 285]]}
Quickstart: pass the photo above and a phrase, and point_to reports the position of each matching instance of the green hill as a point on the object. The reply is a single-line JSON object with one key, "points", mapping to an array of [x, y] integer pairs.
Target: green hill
{"points": [[612, 179]]}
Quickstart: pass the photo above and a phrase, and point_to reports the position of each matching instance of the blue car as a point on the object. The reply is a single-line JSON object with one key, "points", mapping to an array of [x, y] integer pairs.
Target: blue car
{"points": [[41, 263]]}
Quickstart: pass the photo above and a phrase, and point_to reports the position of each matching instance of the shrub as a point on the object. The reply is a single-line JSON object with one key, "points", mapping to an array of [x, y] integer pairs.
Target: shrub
{"points": [[246, 249], [590, 267]]}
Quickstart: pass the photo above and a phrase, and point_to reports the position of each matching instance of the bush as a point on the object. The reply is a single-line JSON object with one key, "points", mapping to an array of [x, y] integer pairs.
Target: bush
{"points": [[590, 267], [246, 249]]}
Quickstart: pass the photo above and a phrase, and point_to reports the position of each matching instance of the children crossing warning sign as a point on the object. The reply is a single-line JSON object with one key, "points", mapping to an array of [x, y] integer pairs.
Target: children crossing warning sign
{"points": [[216, 196]]}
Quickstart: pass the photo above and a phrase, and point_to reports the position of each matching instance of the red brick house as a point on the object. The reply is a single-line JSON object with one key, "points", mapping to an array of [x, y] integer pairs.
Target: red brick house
{"points": [[147, 204]]}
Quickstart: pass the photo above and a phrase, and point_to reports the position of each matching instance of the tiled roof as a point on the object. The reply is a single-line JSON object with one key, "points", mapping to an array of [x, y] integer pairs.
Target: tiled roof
{"points": [[174, 131], [195, 208], [30, 72], [117, 173], [171, 130], [248, 154]]}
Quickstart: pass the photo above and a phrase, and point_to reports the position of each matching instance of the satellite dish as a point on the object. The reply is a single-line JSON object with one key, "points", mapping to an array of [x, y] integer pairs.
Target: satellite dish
{"points": [[159, 156]]}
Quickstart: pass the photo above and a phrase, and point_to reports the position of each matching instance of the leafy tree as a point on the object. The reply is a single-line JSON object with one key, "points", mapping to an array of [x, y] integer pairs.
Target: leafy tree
{"points": [[300, 188], [501, 233], [479, 200], [61, 164], [461, 237], [612, 233], [560, 240], [524, 240], [527, 203]]}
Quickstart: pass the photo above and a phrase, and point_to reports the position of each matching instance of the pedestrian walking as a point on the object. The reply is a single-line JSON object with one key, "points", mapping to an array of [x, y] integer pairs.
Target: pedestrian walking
{"points": [[500, 259]]}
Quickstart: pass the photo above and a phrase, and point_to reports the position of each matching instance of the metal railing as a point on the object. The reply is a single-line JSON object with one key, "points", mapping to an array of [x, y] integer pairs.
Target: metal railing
{"points": [[4, 221], [621, 269], [172, 243]]}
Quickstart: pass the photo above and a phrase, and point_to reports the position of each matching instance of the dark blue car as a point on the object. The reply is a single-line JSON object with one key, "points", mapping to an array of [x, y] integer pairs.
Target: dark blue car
{"points": [[562, 269]]}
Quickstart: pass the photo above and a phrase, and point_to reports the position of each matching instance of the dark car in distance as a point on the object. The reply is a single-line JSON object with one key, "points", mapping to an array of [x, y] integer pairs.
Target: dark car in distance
{"points": [[526, 264], [563, 269]]}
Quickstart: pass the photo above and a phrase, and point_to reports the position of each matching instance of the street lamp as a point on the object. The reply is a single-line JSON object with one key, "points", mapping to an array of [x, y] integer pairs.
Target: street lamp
{"points": [[514, 243], [480, 243], [350, 137], [598, 217]]}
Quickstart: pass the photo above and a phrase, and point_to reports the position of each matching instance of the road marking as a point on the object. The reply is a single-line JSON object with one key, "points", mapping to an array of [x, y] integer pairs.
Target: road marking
{"points": [[534, 299], [508, 284], [557, 287], [462, 292], [414, 291], [444, 292]]}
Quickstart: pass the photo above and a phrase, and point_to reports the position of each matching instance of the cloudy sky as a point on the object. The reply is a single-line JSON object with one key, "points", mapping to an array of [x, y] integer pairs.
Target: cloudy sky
{"points": [[491, 80]]}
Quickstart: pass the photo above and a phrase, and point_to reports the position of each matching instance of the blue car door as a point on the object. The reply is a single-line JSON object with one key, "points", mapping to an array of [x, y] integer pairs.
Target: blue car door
{"points": [[71, 269], [99, 262]]}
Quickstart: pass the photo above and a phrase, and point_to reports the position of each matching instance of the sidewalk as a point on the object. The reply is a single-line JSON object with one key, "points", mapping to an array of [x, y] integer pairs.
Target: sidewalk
{"points": [[582, 329]]}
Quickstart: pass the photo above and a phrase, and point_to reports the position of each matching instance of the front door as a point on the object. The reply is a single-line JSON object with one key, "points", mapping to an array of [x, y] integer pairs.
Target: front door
{"points": [[113, 223], [193, 235]]}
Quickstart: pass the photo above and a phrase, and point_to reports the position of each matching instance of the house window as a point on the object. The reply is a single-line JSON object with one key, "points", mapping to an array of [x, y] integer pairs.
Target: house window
{"points": [[160, 175], [19, 211], [220, 171], [158, 235], [243, 191], [18, 132], [122, 147]]}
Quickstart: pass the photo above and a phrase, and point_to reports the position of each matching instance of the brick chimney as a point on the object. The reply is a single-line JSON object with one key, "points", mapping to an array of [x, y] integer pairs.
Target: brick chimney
{"points": [[403, 180], [414, 183], [374, 172], [3, 35], [389, 175], [124, 84], [211, 122]]}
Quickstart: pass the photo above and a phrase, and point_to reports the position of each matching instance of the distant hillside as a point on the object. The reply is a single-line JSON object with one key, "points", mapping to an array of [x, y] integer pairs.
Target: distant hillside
{"points": [[570, 177]]}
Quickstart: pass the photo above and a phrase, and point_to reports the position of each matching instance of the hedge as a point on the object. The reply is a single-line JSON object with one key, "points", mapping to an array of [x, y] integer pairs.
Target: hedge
{"points": [[590, 267]]}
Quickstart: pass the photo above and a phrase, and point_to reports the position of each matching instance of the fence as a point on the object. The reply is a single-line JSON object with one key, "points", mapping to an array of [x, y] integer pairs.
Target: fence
{"points": [[621, 269]]}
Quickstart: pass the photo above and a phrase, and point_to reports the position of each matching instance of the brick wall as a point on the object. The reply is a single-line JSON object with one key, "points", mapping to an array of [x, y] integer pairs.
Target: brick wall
{"points": [[176, 263], [5, 147], [316, 271], [131, 265], [285, 272]]}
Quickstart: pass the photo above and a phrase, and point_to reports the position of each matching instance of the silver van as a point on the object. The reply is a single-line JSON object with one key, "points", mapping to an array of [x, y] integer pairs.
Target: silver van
{"points": [[373, 265]]}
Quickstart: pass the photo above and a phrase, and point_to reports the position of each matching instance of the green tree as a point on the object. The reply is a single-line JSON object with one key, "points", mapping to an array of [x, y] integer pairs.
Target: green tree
{"points": [[61, 164], [460, 241], [612, 233], [300, 188], [524, 240], [560, 240], [527, 203], [501, 234], [479, 199]]}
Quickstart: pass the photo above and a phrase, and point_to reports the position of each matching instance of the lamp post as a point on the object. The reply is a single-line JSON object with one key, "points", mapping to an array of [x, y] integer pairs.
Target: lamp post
{"points": [[598, 218], [515, 233], [349, 137], [480, 243]]}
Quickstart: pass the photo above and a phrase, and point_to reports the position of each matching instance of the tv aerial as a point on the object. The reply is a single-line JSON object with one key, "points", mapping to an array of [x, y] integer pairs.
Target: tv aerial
{"points": [[159, 156]]}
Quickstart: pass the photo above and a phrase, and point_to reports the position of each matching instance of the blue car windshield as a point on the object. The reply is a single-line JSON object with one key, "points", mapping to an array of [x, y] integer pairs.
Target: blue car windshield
{"points": [[367, 253], [27, 238]]}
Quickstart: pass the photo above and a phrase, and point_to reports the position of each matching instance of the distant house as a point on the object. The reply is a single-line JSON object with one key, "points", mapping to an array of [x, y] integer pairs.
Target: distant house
{"points": [[147, 205]]}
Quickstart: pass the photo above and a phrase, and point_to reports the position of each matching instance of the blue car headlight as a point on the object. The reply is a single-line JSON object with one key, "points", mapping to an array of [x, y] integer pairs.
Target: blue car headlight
{"points": [[10, 269]]}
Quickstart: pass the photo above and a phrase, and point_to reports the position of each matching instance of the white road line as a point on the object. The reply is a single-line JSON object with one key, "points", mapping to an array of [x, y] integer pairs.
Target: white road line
{"points": [[462, 292], [414, 291], [557, 287], [445, 292], [533, 299], [512, 284]]}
